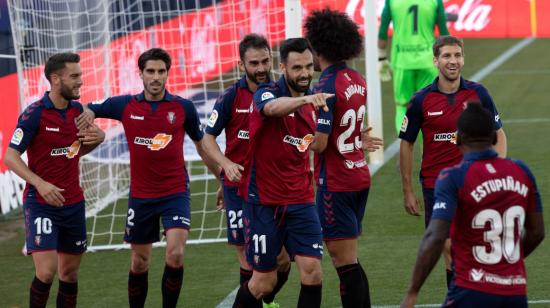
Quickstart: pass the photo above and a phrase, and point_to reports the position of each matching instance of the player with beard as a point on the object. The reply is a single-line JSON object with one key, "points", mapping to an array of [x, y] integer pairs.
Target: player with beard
{"points": [[231, 112], [53, 200], [277, 181], [491, 209], [435, 110], [338, 149], [155, 122]]}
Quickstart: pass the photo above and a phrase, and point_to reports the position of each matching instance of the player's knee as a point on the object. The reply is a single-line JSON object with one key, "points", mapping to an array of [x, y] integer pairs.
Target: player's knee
{"points": [[140, 262], [311, 274], [68, 275], [263, 286], [45, 275], [174, 257]]}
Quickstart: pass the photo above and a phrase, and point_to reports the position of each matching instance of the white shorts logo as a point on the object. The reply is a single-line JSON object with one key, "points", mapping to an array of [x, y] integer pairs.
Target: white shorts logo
{"points": [[17, 136], [213, 118], [267, 95]]}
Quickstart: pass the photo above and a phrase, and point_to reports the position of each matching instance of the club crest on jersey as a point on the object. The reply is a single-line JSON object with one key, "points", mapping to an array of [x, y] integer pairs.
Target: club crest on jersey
{"points": [[171, 117], [159, 142], [450, 137], [404, 124], [213, 118], [300, 143], [267, 95], [70, 151], [37, 240], [17, 136]]}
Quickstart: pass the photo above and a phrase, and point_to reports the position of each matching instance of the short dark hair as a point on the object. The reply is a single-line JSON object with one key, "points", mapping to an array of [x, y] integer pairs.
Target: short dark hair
{"points": [[333, 35], [57, 62], [476, 125], [253, 40], [154, 54], [298, 45], [446, 40]]}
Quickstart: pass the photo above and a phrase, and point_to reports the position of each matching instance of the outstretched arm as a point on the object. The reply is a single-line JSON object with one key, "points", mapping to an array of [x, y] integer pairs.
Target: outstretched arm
{"points": [[283, 106]]}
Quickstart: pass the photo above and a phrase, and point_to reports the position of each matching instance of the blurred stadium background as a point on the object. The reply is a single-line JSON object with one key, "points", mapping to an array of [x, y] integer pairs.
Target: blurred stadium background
{"points": [[506, 49]]}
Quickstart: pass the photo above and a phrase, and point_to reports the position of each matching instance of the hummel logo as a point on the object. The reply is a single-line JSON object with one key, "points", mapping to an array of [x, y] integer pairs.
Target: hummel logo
{"points": [[476, 275], [52, 129], [134, 117], [435, 113]]}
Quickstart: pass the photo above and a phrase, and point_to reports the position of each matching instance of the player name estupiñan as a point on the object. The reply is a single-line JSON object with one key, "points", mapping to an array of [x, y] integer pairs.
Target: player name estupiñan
{"points": [[508, 184]]}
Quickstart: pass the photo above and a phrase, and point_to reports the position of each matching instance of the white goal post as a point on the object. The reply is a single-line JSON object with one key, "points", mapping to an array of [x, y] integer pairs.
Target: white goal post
{"points": [[202, 38]]}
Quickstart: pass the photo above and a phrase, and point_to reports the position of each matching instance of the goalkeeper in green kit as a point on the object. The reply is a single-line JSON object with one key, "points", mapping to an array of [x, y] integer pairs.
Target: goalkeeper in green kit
{"points": [[411, 55]]}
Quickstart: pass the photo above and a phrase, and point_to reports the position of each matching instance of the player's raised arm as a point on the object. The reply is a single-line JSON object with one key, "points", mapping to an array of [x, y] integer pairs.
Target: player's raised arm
{"points": [[90, 138], [85, 118], [283, 106]]}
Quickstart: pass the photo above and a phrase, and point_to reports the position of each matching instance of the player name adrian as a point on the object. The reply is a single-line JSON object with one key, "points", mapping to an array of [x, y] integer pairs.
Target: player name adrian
{"points": [[508, 184]]}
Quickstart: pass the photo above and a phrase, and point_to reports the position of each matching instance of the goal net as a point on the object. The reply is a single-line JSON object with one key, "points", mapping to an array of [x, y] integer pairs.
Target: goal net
{"points": [[202, 38]]}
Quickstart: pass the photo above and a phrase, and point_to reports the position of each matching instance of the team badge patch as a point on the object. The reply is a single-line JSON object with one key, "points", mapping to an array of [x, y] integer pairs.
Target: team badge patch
{"points": [[404, 124], [213, 118], [267, 95], [171, 117], [37, 240], [17, 136]]}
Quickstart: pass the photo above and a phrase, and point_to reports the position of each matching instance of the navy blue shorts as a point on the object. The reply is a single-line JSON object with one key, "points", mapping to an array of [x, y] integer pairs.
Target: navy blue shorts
{"points": [[233, 214], [467, 298], [55, 228], [142, 220], [341, 213], [428, 194], [269, 228]]}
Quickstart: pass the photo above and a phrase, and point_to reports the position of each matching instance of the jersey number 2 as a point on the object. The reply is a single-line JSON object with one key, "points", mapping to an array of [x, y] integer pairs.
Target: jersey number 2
{"points": [[501, 235], [350, 118]]}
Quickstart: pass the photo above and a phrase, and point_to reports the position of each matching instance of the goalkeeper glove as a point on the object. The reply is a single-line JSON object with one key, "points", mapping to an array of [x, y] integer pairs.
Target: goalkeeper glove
{"points": [[384, 68]]}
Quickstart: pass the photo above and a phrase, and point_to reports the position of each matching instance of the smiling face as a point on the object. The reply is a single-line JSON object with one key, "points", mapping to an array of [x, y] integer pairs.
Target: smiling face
{"points": [[154, 76], [68, 80], [449, 62], [298, 71], [256, 63]]}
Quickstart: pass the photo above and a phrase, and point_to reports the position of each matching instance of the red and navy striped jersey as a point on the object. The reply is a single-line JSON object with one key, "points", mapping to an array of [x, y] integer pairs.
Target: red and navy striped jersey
{"points": [[278, 170], [436, 114], [155, 133], [49, 136], [343, 159], [486, 199], [231, 112]]}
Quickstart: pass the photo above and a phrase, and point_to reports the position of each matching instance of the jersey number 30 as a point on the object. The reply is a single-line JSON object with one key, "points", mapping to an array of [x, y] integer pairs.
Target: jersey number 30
{"points": [[350, 118], [501, 236]]}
